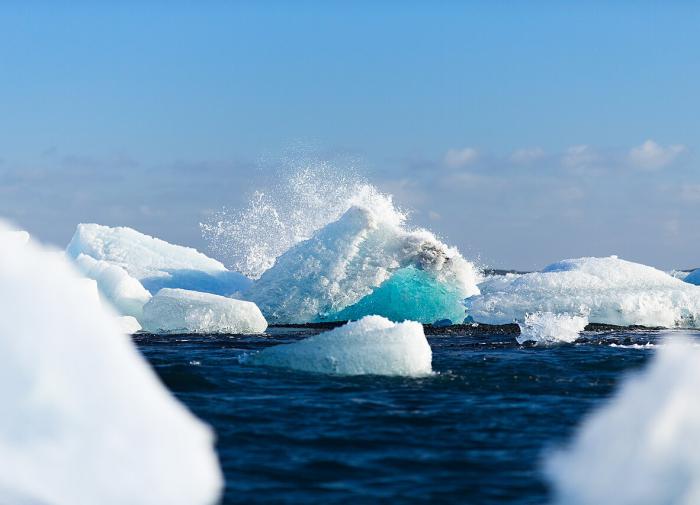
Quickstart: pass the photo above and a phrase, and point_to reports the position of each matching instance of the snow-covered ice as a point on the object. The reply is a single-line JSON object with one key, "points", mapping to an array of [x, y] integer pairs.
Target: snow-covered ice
{"points": [[124, 292], [373, 345], [548, 328], [154, 262], [641, 447], [609, 290], [84, 418], [367, 262], [182, 311]]}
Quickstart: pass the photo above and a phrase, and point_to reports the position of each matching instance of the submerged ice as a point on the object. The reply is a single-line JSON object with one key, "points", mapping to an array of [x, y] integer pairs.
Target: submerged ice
{"points": [[608, 290], [85, 420], [371, 346], [182, 311], [640, 448], [367, 262]]}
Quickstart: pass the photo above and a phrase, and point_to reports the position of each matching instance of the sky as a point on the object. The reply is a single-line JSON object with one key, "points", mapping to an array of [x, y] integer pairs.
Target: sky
{"points": [[523, 133]]}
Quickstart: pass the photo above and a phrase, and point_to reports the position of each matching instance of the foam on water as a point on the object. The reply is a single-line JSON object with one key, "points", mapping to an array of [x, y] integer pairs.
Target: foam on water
{"points": [[371, 346], [84, 419], [609, 290], [640, 448], [548, 328]]}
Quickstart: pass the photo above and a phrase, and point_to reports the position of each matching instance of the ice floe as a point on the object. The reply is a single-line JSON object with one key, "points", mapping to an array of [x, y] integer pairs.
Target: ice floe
{"points": [[373, 345], [153, 262], [548, 328], [641, 447], [85, 420], [608, 290], [183, 311], [367, 262]]}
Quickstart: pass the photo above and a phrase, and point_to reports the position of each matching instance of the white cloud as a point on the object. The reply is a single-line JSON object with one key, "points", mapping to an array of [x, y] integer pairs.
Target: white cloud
{"points": [[527, 155], [690, 193], [652, 156], [579, 156], [456, 158]]}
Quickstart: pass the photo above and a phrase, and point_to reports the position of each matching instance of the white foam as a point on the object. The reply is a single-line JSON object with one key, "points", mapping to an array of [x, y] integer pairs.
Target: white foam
{"points": [[548, 328], [351, 257], [641, 447], [85, 420], [154, 262], [125, 293], [371, 346], [609, 290], [182, 311]]}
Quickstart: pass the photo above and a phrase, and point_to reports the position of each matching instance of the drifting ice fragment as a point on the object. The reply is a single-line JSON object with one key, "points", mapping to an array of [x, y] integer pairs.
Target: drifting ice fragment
{"points": [[609, 290], [182, 311], [641, 447], [548, 328], [84, 419], [125, 293], [364, 263], [372, 345], [154, 262]]}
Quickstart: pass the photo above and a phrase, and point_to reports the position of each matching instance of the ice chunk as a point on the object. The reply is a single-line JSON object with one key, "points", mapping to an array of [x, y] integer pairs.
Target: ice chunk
{"points": [[124, 292], [84, 419], [373, 345], [364, 263], [182, 311], [548, 328], [17, 236], [129, 324], [693, 277], [609, 290], [641, 447], [154, 262]]}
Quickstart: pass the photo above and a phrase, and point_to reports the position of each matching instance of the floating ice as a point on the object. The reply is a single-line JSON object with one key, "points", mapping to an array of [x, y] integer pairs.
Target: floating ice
{"points": [[18, 236], [182, 311], [84, 419], [154, 262], [124, 292], [373, 345], [548, 328], [641, 447], [129, 325], [609, 290], [367, 262], [693, 277]]}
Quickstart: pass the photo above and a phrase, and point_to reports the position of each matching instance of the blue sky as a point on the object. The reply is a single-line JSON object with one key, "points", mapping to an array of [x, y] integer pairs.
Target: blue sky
{"points": [[522, 133]]}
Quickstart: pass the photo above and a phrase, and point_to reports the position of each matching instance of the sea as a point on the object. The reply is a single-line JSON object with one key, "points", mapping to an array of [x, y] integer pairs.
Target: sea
{"points": [[475, 432]]}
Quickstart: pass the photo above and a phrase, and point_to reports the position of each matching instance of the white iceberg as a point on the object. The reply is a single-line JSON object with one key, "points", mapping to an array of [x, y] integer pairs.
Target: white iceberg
{"points": [[547, 328], [17, 236], [182, 311], [124, 292], [641, 447], [129, 324], [364, 263], [153, 262], [85, 420], [609, 290], [373, 345]]}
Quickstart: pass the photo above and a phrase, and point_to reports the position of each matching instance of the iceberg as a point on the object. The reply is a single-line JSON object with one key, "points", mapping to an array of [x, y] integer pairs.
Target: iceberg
{"points": [[125, 293], [17, 236], [608, 290], [129, 325], [366, 262], [641, 447], [182, 311], [371, 346], [156, 264], [693, 277], [547, 328], [85, 420]]}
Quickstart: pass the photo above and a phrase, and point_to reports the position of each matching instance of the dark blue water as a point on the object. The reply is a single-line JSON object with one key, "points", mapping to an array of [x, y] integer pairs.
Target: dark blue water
{"points": [[473, 433]]}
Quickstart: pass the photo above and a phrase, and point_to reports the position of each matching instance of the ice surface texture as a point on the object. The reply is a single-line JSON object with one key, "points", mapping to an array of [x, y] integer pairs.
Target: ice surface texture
{"points": [[182, 311], [693, 277], [642, 447], [548, 328], [154, 262], [608, 290], [84, 419], [345, 262], [373, 345]]}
